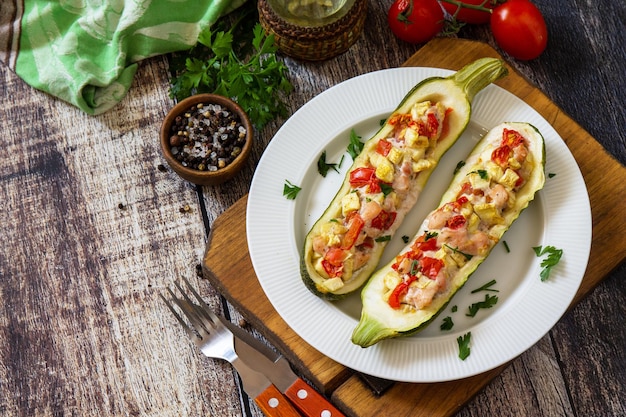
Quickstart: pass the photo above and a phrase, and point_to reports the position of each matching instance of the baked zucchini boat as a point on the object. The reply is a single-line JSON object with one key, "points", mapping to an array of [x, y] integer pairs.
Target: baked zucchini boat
{"points": [[344, 246], [497, 182]]}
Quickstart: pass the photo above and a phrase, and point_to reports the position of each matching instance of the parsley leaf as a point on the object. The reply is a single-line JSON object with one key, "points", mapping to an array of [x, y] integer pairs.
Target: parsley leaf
{"points": [[482, 173], [467, 256], [464, 347], [489, 302], [237, 63], [553, 258], [323, 166], [355, 146], [386, 188], [459, 165], [290, 191], [447, 323], [385, 238], [486, 287]]}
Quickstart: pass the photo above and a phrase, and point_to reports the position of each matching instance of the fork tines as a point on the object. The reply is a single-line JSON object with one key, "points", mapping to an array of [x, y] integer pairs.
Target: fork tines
{"points": [[198, 315]]}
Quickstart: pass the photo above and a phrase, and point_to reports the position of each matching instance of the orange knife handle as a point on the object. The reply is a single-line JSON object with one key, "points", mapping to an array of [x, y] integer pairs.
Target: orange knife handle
{"points": [[275, 404], [310, 402]]}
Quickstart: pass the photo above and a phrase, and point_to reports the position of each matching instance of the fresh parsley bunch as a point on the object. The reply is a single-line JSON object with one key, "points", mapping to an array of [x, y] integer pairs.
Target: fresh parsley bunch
{"points": [[258, 82]]}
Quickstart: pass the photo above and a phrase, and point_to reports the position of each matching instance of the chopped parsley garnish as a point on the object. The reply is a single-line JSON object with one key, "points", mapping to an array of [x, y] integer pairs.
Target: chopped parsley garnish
{"points": [[551, 175], [323, 167], [430, 235], [386, 188], [486, 287], [553, 258], [455, 250], [447, 323], [454, 308], [489, 302], [356, 146], [506, 246], [481, 173], [406, 239], [290, 191], [385, 238], [464, 345], [460, 165]]}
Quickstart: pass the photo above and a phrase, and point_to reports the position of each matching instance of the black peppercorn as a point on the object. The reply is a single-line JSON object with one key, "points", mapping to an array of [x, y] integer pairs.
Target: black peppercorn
{"points": [[207, 137]]}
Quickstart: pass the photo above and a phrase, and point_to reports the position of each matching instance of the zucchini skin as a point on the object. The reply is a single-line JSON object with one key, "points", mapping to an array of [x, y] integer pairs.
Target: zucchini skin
{"points": [[454, 92], [379, 320]]}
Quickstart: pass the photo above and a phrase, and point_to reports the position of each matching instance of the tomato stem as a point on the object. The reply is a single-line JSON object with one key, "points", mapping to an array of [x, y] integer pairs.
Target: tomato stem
{"points": [[480, 7]]}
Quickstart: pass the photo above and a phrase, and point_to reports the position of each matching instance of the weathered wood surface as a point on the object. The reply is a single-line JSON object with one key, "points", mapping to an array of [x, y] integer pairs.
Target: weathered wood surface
{"points": [[93, 230]]}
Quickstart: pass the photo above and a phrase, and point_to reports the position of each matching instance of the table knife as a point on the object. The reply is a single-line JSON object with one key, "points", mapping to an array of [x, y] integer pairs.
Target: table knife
{"points": [[276, 368], [265, 394]]}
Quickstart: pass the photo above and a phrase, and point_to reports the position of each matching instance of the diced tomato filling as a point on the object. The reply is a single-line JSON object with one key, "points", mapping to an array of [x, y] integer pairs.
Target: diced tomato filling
{"points": [[466, 188], [412, 255], [400, 119], [333, 271], [333, 262], [423, 244], [399, 291], [364, 176], [384, 220], [458, 203], [512, 138], [433, 125], [430, 266], [501, 155], [355, 225], [456, 222], [383, 147]]}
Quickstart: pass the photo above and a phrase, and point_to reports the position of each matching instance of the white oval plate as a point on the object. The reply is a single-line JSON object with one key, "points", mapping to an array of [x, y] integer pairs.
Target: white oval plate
{"points": [[527, 308]]}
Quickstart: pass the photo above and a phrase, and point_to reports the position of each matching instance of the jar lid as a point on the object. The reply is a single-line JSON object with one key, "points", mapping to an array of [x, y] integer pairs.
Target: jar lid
{"points": [[311, 13]]}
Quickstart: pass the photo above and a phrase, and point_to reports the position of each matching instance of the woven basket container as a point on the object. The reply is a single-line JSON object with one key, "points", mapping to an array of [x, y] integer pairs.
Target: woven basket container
{"points": [[314, 43]]}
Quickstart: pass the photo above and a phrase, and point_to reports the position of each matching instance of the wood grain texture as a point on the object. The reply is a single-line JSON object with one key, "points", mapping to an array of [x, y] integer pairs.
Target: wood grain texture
{"points": [[82, 331]]}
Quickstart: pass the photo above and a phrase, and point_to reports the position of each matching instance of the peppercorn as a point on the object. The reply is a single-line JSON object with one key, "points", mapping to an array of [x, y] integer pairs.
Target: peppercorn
{"points": [[207, 137], [174, 140]]}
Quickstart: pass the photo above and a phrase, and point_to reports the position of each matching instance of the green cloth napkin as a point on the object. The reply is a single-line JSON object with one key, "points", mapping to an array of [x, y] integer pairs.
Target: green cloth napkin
{"points": [[86, 52]]}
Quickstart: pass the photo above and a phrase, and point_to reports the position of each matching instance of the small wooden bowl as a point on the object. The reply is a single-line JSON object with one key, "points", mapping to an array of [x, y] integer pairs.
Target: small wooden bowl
{"points": [[197, 176]]}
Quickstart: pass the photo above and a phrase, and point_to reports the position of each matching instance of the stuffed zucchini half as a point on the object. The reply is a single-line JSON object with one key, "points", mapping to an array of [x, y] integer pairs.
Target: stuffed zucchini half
{"points": [[344, 246], [497, 182]]}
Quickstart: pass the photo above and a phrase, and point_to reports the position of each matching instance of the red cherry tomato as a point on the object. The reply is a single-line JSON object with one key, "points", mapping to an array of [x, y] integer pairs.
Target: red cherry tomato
{"points": [[415, 21], [519, 29], [467, 15]]}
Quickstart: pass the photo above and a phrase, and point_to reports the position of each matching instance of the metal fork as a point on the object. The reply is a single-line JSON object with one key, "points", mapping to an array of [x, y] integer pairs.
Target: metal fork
{"points": [[215, 340]]}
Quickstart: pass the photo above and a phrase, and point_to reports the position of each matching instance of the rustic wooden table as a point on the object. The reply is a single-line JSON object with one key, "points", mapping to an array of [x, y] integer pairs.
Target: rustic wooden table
{"points": [[93, 230]]}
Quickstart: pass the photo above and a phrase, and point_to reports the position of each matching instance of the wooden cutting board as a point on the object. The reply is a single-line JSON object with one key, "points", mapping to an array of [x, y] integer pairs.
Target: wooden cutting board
{"points": [[227, 263]]}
